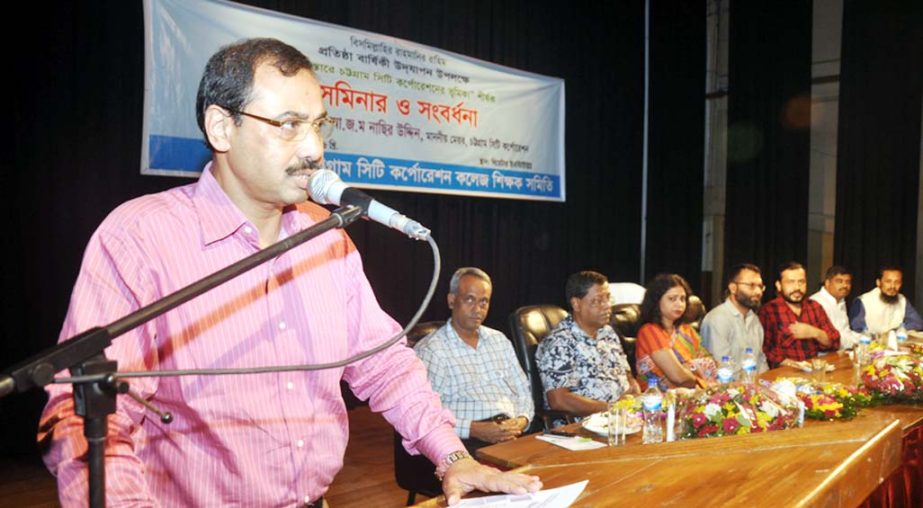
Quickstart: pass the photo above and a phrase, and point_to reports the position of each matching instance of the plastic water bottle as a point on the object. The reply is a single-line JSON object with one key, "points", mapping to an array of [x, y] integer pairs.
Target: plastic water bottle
{"points": [[652, 403], [862, 348], [725, 370], [901, 334], [891, 341], [748, 367]]}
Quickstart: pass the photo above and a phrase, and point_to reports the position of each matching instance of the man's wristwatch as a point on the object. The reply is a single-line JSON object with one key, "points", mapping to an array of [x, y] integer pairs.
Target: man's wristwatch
{"points": [[448, 460]]}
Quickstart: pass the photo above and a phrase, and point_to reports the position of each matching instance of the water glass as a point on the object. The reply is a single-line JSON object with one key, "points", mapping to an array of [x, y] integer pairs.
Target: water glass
{"points": [[819, 367], [618, 419], [856, 360]]}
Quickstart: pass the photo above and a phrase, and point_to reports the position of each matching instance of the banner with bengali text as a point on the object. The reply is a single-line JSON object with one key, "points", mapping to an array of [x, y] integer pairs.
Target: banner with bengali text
{"points": [[406, 116]]}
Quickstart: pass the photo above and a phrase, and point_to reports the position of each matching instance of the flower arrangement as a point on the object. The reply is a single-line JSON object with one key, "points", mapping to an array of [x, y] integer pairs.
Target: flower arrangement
{"points": [[733, 409], [877, 349], [915, 348], [629, 403], [895, 377], [830, 401]]}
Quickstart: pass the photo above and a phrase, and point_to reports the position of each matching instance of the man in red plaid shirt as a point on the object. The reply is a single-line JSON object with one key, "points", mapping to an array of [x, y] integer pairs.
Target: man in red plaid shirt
{"points": [[795, 327]]}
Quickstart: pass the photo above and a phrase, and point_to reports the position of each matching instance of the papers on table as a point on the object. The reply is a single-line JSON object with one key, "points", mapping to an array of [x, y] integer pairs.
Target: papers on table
{"points": [[805, 366], [560, 497], [571, 443]]}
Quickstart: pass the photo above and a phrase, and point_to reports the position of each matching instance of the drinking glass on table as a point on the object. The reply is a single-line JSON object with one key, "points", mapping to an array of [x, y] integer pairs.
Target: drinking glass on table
{"points": [[856, 359], [618, 420], [819, 368]]}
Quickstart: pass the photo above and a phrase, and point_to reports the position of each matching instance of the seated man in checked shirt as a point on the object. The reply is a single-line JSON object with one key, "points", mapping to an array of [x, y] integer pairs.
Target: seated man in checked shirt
{"points": [[474, 368], [795, 327]]}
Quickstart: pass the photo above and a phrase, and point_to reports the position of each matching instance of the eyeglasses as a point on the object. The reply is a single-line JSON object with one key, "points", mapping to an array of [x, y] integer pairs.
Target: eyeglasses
{"points": [[752, 285], [294, 129]]}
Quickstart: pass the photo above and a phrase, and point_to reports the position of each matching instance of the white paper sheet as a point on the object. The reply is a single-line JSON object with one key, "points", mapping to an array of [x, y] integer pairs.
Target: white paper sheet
{"points": [[571, 443], [561, 497]]}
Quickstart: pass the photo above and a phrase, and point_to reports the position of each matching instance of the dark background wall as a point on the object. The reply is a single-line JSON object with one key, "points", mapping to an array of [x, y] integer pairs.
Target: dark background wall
{"points": [[879, 142], [769, 76]]}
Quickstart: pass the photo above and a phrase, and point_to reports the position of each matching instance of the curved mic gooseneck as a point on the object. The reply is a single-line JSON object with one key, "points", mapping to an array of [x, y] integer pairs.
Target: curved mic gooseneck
{"points": [[326, 188]]}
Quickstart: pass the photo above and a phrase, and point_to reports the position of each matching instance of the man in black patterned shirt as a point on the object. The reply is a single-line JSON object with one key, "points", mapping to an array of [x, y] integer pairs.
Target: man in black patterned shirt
{"points": [[582, 364]]}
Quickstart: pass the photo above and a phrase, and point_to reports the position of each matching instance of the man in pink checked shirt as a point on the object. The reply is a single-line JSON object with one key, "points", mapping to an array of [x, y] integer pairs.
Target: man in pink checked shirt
{"points": [[264, 440]]}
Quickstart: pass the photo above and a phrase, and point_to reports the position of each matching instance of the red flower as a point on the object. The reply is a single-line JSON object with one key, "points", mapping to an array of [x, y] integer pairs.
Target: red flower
{"points": [[731, 425], [699, 419]]}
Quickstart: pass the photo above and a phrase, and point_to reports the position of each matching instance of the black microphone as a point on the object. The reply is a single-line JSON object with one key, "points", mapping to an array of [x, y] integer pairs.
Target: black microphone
{"points": [[326, 188]]}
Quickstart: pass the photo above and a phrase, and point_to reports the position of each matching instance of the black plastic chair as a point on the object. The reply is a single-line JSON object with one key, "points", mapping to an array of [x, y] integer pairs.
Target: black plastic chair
{"points": [[529, 326], [421, 330], [626, 320], [695, 311], [414, 473]]}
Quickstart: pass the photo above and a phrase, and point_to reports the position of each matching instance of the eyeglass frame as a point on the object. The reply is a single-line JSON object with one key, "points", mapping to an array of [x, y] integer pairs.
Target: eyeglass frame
{"points": [[317, 126], [751, 285]]}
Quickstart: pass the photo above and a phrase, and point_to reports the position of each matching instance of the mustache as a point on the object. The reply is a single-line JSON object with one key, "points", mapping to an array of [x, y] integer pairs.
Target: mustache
{"points": [[302, 165]]}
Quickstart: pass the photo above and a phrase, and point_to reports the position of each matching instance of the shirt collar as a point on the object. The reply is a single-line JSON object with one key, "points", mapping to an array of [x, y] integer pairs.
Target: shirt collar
{"points": [[602, 333], [734, 310], [456, 338], [221, 218], [823, 293]]}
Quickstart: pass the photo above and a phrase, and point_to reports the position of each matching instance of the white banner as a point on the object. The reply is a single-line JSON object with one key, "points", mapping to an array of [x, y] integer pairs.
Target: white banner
{"points": [[407, 116]]}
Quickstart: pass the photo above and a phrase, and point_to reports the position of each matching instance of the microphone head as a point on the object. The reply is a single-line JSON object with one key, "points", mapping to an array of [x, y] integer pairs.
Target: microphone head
{"points": [[323, 188]]}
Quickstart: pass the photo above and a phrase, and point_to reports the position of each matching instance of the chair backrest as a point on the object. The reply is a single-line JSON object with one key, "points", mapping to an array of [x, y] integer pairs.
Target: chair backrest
{"points": [[695, 309], [414, 473], [626, 320], [529, 325], [626, 292], [421, 330], [626, 317]]}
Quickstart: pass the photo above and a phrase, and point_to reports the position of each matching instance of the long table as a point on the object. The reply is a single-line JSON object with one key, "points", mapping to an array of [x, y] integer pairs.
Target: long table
{"points": [[822, 464]]}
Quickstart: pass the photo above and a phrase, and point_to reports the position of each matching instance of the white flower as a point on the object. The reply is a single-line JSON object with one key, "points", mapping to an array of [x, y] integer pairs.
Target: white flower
{"points": [[785, 387], [712, 410], [769, 408]]}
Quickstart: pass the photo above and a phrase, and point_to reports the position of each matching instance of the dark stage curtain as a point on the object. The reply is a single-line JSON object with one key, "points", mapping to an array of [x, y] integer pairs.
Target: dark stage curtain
{"points": [[74, 135], [529, 248], [878, 159], [769, 78], [676, 147]]}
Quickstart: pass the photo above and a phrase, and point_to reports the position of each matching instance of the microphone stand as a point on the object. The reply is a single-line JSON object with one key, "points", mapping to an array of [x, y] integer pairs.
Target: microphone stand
{"points": [[84, 354]]}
